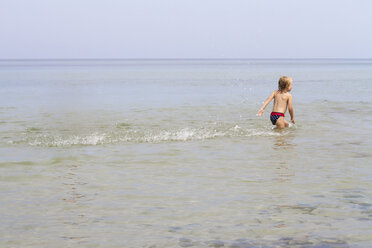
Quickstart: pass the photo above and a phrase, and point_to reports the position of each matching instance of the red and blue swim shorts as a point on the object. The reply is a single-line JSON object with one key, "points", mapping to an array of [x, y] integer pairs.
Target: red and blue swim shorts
{"points": [[274, 116]]}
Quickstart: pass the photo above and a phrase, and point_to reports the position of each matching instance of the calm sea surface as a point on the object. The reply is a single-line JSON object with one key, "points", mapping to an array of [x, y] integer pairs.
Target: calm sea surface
{"points": [[171, 153]]}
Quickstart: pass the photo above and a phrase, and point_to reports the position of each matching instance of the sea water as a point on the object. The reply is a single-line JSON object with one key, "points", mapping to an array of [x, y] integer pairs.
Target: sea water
{"points": [[171, 153]]}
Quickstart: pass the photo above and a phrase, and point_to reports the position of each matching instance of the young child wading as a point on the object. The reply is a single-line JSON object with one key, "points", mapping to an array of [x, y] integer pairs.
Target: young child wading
{"points": [[282, 100]]}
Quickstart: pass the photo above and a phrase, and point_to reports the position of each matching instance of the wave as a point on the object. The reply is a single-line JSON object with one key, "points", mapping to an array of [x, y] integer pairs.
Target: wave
{"points": [[139, 136]]}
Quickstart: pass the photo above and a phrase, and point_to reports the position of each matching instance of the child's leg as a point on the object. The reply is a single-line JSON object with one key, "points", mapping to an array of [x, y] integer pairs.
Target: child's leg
{"points": [[281, 123], [286, 123]]}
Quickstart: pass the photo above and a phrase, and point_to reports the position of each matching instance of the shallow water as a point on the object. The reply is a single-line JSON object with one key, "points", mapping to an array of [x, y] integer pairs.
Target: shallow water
{"points": [[170, 153]]}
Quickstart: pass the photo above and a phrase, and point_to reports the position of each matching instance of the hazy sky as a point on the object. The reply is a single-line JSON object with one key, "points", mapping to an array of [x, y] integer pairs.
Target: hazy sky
{"points": [[185, 29]]}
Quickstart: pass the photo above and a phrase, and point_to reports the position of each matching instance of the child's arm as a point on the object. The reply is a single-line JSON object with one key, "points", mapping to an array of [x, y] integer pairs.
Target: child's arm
{"points": [[260, 112], [290, 108]]}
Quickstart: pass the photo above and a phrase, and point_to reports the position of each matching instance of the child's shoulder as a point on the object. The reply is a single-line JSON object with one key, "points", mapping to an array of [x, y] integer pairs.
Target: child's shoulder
{"points": [[282, 94], [288, 96]]}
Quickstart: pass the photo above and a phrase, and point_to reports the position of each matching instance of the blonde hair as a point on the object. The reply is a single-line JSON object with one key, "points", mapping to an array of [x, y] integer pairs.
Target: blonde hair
{"points": [[284, 83]]}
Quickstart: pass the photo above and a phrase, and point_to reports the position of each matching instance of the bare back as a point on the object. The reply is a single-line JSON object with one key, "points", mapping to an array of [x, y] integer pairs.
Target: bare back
{"points": [[281, 101]]}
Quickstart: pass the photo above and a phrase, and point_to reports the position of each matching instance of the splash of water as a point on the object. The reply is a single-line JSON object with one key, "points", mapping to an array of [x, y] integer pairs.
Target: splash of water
{"points": [[117, 136]]}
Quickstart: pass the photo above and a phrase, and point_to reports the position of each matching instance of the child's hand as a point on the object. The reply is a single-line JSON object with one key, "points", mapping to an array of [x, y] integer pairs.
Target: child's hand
{"points": [[260, 112], [293, 121]]}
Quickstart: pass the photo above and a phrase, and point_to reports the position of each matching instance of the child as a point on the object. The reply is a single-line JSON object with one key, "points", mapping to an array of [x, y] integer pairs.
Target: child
{"points": [[282, 100]]}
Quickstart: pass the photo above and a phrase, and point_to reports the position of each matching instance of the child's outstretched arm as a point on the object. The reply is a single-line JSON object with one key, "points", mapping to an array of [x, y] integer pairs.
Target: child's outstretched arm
{"points": [[260, 112], [290, 108]]}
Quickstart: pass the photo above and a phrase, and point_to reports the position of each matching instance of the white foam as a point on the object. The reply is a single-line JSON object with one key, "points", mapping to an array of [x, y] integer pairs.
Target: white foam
{"points": [[237, 128], [144, 136], [93, 139], [182, 135]]}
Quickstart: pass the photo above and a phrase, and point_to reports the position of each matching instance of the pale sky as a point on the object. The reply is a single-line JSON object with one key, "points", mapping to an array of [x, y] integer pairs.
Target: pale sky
{"points": [[185, 29]]}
